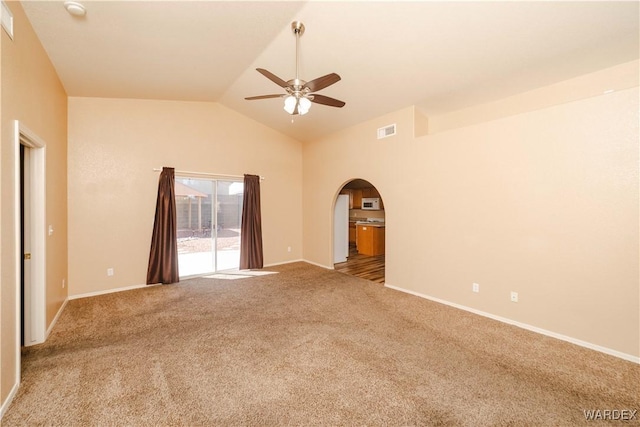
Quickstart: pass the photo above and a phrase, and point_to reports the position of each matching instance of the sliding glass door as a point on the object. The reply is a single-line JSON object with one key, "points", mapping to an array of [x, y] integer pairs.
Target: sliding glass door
{"points": [[209, 218]]}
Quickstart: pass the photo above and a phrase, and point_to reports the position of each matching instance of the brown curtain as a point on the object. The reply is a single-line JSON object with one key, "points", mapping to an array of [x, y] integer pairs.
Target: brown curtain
{"points": [[163, 258], [251, 229]]}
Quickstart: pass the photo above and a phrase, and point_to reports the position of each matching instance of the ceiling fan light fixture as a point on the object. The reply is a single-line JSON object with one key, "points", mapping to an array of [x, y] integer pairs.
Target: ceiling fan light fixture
{"points": [[296, 105], [303, 106], [290, 103]]}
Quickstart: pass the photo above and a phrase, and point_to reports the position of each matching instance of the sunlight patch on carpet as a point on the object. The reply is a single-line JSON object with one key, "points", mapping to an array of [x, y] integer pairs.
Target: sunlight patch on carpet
{"points": [[242, 274]]}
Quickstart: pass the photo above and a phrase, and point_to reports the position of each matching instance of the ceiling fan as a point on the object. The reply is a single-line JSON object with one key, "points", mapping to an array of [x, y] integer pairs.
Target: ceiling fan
{"points": [[299, 94]]}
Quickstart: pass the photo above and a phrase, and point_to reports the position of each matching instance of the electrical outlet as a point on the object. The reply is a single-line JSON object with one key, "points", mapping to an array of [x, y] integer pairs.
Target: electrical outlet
{"points": [[288, 248], [514, 296], [63, 283], [109, 271], [476, 287]]}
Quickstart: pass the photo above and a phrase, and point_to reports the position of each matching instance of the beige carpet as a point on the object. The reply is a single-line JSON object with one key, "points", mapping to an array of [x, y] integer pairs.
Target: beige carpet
{"points": [[307, 346]]}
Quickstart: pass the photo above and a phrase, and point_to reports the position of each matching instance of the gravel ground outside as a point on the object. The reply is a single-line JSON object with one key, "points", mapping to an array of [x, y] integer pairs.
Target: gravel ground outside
{"points": [[227, 239]]}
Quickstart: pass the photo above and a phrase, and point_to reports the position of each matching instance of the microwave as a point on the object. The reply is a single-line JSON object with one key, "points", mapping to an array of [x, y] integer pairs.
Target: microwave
{"points": [[371, 203]]}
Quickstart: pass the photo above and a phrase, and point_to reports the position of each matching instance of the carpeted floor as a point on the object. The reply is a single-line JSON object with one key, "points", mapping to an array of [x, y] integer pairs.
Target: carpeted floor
{"points": [[306, 346]]}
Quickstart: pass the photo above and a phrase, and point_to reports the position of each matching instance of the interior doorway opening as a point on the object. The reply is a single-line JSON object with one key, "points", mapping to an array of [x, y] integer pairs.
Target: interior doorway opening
{"points": [[30, 184], [364, 220], [30, 240]]}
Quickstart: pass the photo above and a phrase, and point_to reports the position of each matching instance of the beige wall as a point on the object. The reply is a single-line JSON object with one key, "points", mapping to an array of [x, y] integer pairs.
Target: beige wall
{"points": [[115, 144], [33, 94], [543, 202]]}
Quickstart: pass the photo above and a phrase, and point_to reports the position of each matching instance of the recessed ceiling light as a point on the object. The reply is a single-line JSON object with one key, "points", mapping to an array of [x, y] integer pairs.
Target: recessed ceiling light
{"points": [[75, 8]]}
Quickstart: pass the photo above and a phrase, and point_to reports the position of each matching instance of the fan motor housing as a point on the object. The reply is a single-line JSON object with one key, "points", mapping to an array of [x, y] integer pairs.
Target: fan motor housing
{"points": [[297, 27]]}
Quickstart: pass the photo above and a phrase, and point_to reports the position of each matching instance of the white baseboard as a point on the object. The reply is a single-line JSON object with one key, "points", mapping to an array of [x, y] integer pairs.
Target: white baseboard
{"points": [[531, 328], [55, 319], [318, 265], [9, 399], [283, 262], [109, 291]]}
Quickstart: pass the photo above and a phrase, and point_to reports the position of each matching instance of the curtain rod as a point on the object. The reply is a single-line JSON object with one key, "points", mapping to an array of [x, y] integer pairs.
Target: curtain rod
{"points": [[216, 175]]}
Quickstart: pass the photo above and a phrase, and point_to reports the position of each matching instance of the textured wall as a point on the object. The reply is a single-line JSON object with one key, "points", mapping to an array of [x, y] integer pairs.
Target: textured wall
{"points": [[115, 144], [543, 202]]}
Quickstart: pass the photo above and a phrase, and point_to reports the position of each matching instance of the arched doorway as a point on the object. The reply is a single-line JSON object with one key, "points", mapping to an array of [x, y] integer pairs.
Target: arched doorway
{"points": [[367, 229]]}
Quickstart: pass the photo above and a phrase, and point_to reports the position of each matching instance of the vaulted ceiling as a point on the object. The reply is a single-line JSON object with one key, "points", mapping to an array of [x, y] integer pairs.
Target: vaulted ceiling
{"points": [[437, 55]]}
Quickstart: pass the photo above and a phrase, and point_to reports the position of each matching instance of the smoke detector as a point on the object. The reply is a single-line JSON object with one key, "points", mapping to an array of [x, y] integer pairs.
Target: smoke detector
{"points": [[75, 8]]}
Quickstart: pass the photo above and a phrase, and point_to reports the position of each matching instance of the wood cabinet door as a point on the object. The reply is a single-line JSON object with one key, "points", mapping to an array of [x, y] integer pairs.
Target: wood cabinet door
{"points": [[370, 240], [370, 192], [378, 241], [365, 240], [357, 198]]}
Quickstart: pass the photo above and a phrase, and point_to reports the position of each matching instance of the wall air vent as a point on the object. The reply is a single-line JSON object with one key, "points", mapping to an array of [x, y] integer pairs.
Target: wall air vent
{"points": [[7, 19], [386, 131]]}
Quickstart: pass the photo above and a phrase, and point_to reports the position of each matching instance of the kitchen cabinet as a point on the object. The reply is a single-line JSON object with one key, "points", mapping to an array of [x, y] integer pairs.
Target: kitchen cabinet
{"points": [[370, 239], [356, 195], [370, 192]]}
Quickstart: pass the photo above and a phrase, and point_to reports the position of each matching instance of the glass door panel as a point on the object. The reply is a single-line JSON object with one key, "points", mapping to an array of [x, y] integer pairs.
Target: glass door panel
{"points": [[209, 217], [228, 221]]}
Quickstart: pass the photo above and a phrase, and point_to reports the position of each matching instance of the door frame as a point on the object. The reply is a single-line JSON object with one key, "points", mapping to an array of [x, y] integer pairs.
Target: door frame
{"points": [[35, 300]]}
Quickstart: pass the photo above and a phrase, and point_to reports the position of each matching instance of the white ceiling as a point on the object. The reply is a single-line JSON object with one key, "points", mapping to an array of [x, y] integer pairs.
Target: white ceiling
{"points": [[437, 55]]}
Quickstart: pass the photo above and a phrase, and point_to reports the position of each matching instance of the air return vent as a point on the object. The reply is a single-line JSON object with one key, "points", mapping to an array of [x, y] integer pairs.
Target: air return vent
{"points": [[386, 131]]}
